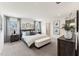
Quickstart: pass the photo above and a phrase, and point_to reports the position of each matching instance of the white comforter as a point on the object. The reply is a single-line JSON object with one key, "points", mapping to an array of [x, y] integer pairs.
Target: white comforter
{"points": [[31, 39]]}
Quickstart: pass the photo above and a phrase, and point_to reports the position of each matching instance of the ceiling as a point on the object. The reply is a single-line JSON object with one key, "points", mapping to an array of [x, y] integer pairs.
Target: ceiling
{"points": [[38, 10]]}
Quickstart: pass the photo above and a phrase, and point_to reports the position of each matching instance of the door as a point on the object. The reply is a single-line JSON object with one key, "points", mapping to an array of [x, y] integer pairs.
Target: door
{"points": [[48, 29]]}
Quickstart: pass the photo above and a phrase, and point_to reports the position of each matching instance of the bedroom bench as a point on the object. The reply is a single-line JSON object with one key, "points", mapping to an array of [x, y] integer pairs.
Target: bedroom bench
{"points": [[43, 41]]}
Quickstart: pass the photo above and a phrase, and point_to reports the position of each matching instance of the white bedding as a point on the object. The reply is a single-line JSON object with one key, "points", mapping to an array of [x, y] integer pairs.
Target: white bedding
{"points": [[43, 41], [31, 39]]}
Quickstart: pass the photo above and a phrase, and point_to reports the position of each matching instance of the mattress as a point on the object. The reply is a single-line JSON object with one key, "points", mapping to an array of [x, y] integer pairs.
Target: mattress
{"points": [[31, 39]]}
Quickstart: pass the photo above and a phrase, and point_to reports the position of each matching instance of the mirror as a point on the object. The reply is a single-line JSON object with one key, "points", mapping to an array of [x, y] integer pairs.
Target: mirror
{"points": [[71, 22]]}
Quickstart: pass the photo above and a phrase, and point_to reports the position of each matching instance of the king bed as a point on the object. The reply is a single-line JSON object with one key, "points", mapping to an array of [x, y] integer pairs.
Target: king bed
{"points": [[30, 39]]}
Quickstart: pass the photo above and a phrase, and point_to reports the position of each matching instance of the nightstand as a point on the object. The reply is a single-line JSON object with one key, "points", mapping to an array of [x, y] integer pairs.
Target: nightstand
{"points": [[14, 38]]}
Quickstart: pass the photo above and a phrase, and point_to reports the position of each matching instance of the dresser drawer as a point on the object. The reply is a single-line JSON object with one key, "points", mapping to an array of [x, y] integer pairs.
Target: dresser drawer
{"points": [[66, 47], [65, 43]]}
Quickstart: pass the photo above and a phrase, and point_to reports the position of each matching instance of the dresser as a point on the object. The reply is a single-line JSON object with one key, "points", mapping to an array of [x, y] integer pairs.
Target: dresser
{"points": [[66, 47], [14, 37]]}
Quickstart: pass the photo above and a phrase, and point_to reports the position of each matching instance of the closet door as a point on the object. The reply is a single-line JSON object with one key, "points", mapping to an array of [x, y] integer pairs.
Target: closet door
{"points": [[48, 29]]}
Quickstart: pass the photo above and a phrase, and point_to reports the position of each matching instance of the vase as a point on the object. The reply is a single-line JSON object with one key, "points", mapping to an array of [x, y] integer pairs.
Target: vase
{"points": [[68, 34]]}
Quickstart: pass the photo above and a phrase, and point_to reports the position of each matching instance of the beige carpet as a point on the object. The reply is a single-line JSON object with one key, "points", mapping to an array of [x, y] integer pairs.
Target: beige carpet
{"points": [[19, 48]]}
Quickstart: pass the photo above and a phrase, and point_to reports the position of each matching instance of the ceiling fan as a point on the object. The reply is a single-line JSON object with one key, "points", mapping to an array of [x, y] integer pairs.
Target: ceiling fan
{"points": [[58, 2]]}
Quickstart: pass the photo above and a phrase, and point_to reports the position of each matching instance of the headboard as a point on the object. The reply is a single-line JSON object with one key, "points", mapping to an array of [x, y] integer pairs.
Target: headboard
{"points": [[31, 31]]}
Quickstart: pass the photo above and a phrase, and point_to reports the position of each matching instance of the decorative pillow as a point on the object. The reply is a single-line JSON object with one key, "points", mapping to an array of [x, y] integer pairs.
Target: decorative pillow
{"points": [[24, 33], [32, 33]]}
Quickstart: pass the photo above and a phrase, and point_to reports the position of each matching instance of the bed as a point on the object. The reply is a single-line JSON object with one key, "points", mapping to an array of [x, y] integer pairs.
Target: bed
{"points": [[30, 39]]}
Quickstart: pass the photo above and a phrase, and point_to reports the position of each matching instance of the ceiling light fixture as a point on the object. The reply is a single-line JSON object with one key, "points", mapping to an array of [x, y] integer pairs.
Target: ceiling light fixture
{"points": [[58, 2]]}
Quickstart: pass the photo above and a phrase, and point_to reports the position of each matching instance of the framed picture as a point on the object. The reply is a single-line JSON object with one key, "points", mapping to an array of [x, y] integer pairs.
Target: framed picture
{"points": [[56, 23], [56, 27], [56, 31], [27, 26]]}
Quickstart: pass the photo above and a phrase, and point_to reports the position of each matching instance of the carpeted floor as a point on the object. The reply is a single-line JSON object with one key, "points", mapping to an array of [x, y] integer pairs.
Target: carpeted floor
{"points": [[19, 48]]}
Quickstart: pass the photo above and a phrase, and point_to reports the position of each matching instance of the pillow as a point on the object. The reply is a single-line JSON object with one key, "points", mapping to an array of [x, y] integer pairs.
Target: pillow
{"points": [[27, 33], [24, 33], [32, 33]]}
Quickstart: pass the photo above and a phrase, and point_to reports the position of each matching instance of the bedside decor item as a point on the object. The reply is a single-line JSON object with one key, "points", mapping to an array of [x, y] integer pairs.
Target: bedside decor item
{"points": [[68, 34], [69, 28], [14, 32]]}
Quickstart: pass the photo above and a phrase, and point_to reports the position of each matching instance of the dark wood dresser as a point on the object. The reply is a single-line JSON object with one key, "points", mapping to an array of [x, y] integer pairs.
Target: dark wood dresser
{"points": [[14, 37], [66, 47]]}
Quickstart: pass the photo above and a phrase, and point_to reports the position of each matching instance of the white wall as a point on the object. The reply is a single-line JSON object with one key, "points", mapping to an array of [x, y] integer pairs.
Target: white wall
{"points": [[62, 21], [2, 35], [1, 41], [43, 27]]}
